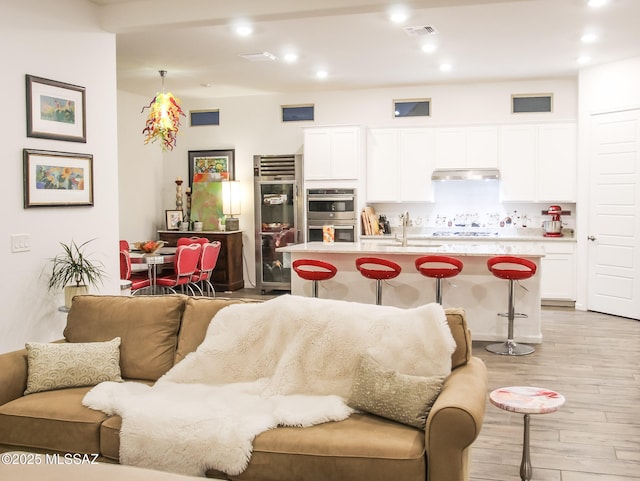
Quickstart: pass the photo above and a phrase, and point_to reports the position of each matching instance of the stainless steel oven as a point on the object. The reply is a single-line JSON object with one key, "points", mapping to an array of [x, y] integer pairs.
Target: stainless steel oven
{"points": [[331, 204], [336, 207], [344, 231]]}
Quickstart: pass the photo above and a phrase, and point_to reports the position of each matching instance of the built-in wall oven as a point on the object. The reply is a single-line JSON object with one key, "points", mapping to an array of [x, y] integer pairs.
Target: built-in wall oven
{"points": [[335, 207]]}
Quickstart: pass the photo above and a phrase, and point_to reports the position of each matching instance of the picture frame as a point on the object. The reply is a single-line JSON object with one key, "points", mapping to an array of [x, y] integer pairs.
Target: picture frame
{"points": [[211, 165], [57, 179], [55, 110], [173, 219]]}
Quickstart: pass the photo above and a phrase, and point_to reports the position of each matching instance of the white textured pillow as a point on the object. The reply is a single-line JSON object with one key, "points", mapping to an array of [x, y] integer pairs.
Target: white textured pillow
{"points": [[73, 364], [400, 397]]}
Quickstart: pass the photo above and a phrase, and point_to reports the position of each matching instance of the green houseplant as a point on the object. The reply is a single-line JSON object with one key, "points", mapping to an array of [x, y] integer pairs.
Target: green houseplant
{"points": [[74, 271]]}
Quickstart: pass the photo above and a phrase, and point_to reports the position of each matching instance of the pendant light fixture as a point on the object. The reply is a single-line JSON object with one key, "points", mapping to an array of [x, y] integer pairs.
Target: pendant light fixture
{"points": [[164, 118]]}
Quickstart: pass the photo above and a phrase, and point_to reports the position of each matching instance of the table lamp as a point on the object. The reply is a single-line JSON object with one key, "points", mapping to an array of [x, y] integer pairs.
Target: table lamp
{"points": [[231, 204]]}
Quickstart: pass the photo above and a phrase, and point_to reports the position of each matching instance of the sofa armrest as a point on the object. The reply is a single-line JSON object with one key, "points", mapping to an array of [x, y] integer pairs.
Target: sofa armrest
{"points": [[13, 375], [455, 421]]}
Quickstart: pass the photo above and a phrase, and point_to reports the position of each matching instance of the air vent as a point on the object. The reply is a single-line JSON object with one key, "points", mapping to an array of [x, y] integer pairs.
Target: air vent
{"points": [[422, 31], [259, 57], [278, 166]]}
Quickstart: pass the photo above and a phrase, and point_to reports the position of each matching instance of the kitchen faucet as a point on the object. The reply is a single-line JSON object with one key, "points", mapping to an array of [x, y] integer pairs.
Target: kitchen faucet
{"points": [[405, 224]]}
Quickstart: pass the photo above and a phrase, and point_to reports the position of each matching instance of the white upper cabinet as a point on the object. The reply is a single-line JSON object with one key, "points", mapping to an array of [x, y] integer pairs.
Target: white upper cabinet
{"points": [[466, 147], [332, 153], [538, 162], [399, 165]]}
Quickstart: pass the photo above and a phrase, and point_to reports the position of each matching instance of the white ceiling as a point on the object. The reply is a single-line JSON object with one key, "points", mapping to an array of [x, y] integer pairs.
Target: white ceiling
{"points": [[483, 40]]}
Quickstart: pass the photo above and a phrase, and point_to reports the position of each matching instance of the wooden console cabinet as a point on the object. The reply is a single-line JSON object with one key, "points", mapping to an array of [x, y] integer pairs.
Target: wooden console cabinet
{"points": [[227, 276]]}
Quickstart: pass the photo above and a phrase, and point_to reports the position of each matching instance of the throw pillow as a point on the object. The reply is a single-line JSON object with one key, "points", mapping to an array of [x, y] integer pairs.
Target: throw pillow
{"points": [[400, 397], [54, 366]]}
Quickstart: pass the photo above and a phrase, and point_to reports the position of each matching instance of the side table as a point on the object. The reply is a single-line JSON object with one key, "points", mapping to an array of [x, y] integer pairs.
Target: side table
{"points": [[526, 400]]}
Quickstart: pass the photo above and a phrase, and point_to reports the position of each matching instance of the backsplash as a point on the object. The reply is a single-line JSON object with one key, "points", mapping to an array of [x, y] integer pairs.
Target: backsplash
{"points": [[471, 204]]}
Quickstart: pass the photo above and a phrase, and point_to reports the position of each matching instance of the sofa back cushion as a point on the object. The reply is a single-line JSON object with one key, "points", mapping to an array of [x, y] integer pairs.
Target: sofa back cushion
{"points": [[197, 316], [457, 321], [148, 327]]}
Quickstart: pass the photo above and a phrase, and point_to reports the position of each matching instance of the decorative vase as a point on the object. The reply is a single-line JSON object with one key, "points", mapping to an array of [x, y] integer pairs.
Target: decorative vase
{"points": [[197, 226], [71, 291]]}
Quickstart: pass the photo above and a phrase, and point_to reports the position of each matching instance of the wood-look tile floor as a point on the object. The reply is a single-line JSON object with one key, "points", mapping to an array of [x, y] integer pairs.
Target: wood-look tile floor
{"points": [[594, 361]]}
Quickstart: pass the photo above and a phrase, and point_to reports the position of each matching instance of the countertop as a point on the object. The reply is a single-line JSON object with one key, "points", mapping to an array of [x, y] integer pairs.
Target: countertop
{"points": [[499, 235], [416, 247]]}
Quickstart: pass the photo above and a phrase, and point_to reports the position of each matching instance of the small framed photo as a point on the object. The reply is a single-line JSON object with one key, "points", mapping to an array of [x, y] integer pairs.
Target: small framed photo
{"points": [[174, 217], [55, 110], [57, 179]]}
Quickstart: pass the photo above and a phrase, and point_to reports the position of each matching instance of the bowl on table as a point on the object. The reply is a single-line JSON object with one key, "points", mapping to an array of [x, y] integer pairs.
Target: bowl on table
{"points": [[149, 247]]}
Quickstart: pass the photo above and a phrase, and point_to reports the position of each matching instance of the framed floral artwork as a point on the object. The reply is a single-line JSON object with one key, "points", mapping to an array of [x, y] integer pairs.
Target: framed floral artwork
{"points": [[211, 165], [57, 179], [174, 218], [55, 110]]}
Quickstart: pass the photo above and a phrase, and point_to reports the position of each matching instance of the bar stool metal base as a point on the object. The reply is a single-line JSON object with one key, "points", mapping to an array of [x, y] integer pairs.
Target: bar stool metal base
{"points": [[510, 348]]}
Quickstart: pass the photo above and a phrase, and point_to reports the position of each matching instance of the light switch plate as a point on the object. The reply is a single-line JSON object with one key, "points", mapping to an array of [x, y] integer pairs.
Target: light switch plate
{"points": [[20, 242]]}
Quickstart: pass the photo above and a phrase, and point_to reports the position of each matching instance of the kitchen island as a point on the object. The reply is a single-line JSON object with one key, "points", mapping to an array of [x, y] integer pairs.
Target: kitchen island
{"points": [[475, 289]]}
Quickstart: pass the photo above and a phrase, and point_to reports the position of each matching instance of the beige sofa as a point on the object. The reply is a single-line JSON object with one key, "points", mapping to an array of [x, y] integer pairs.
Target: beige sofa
{"points": [[159, 331]]}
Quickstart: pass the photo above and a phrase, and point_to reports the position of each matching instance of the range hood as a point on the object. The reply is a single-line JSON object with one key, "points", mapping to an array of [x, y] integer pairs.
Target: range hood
{"points": [[465, 174]]}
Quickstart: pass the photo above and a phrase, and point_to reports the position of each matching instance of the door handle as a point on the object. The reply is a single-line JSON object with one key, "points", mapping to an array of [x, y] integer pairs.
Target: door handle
{"points": [[591, 238]]}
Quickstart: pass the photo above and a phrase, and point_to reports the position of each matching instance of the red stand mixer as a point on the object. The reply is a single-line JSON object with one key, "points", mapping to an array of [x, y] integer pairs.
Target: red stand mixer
{"points": [[553, 227]]}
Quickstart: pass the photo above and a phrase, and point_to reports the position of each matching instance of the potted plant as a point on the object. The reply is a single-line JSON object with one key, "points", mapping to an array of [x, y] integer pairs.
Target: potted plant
{"points": [[74, 271]]}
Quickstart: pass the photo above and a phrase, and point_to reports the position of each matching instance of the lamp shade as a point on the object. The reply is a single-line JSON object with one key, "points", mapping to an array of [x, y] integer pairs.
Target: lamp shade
{"points": [[231, 197]]}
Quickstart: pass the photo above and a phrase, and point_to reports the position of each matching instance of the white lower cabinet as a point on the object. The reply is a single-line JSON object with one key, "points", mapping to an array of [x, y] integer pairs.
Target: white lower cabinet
{"points": [[558, 282]]}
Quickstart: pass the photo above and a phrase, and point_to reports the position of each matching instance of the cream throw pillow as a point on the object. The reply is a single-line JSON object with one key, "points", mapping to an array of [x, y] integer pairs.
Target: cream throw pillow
{"points": [[73, 364], [400, 397]]}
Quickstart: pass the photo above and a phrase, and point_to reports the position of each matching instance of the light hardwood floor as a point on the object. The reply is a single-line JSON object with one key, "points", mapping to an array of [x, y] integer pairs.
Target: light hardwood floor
{"points": [[594, 361]]}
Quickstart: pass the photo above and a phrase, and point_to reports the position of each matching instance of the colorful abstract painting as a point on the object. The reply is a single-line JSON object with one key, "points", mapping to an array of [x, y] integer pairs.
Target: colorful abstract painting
{"points": [[56, 177], [208, 169], [206, 204]]}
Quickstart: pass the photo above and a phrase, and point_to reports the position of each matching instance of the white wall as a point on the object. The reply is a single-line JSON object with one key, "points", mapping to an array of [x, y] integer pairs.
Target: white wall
{"points": [[61, 41], [252, 125], [605, 88]]}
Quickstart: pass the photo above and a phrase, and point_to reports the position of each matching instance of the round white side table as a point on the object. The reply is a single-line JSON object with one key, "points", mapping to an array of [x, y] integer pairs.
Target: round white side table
{"points": [[526, 400]]}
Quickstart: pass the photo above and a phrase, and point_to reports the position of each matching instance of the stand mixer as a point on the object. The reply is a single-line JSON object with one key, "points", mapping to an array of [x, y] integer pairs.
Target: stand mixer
{"points": [[553, 227]]}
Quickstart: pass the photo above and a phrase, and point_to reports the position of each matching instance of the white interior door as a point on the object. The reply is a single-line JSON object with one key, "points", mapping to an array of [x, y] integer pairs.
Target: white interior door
{"points": [[614, 215]]}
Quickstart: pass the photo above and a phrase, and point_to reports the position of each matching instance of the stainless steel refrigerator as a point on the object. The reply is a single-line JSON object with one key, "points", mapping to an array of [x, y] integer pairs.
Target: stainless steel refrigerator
{"points": [[279, 217]]}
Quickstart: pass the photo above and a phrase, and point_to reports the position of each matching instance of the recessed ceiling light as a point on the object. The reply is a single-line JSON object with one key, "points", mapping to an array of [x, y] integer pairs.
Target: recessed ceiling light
{"points": [[584, 59], [597, 3], [398, 15], [445, 67], [244, 30], [589, 38], [290, 57], [429, 47], [322, 74]]}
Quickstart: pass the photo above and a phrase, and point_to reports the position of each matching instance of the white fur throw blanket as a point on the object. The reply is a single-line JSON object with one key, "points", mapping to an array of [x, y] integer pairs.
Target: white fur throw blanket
{"points": [[289, 361]]}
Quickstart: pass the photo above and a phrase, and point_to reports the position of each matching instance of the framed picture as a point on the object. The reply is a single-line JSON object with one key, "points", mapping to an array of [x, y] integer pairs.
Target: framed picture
{"points": [[211, 165], [174, 217], [57, 179], [55, 110]]}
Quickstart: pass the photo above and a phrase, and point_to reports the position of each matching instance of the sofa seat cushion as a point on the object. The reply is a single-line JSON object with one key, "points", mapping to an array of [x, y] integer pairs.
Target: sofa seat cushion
{"points": [[52, 420], [360, 447], [110, 438]]}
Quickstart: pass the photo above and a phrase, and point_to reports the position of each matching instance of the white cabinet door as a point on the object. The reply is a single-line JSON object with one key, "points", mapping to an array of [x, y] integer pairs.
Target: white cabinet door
{"points": [[382, 165], [399, 165], [518, 154], [482, 147], [332, 153], [451, 147], [557, 169], [416, 165], [558, 271]]}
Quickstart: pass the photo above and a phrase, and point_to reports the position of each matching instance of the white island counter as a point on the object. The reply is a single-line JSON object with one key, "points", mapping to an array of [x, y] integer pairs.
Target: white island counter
{"points": [[475, 289]]}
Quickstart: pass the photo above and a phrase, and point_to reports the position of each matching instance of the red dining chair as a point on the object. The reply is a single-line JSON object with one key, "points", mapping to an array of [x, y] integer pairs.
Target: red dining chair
{"points": [[185, 264], [185, 241], [206, 265], [138, 280]]}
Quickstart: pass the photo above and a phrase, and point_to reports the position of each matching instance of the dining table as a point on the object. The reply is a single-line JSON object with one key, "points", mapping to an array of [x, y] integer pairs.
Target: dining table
{"points": [[162, 257]]}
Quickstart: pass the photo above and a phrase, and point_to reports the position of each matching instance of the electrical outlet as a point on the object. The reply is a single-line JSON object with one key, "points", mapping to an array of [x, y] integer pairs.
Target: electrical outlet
{"points": [[20, 242]]}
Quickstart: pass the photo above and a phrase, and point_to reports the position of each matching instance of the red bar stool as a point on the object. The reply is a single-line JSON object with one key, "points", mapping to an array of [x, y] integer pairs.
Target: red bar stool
{"points": [[513, 269], [319, 271], [439, 267], [388, 270]]}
